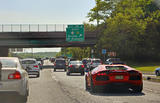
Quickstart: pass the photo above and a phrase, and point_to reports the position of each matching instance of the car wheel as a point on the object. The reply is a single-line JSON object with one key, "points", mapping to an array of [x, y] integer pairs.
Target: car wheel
{"points": [[68, 73], [137, 89], [86, 84], [38, 75], [92, 88], [82, 73], [24, 98], [157, 73]]}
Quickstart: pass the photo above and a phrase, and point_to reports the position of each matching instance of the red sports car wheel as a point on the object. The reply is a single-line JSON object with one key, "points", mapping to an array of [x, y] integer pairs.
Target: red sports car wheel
{"points": [[86, 84], [92, 88], [137, 89]]}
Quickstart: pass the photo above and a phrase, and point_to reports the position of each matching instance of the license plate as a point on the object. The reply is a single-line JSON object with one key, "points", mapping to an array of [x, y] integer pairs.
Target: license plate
{"points": [[119, 77]]}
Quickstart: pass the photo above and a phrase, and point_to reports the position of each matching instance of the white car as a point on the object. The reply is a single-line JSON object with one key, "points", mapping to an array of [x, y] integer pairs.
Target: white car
{"points": [[13, 78], [31, 66]]}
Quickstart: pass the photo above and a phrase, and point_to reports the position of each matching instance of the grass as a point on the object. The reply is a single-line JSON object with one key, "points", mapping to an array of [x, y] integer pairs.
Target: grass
{"points": [[145, 67]]}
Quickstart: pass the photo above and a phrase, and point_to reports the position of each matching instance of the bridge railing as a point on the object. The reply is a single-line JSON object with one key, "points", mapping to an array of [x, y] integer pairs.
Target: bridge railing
{"points": [[32, 27]]}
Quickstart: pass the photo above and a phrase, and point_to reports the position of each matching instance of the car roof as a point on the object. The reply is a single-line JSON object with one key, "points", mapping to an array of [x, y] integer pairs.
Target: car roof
{"points": [[60, 59], [103, 67], [28, 59], [15, 58]]}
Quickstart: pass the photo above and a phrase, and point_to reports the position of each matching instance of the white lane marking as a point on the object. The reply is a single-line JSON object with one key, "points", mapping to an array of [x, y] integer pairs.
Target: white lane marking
{"points": [[150, 90]]}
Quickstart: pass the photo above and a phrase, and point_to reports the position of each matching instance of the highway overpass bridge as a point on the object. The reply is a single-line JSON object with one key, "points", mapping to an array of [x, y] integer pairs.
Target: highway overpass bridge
{"points": [[36, 35]]}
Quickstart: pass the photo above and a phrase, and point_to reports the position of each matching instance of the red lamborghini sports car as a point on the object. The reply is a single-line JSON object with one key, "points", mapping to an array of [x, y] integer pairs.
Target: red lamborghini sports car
{"points": [[107, 77]]}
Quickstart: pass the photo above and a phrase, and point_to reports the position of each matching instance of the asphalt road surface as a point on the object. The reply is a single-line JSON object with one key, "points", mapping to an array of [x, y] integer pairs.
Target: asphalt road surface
{"points": [[56, 87]]}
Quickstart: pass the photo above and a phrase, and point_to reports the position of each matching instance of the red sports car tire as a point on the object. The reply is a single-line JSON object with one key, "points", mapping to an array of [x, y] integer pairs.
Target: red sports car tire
{"points": [[137, 89], [92, 88], [86, 84]]}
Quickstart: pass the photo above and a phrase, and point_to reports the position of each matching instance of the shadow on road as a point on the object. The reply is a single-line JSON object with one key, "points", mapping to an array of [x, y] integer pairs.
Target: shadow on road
{"points": [[118, 92], [74, 74], [10, 98], [47, 67]]}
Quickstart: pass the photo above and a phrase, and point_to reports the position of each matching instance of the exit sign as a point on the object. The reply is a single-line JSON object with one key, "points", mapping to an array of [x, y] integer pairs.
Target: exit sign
{"points": [[75, 33]]}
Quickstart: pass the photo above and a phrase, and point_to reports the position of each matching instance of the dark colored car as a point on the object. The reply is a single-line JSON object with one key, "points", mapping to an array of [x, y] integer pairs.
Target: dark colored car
{"points": [[107, 77], [40, 62], [85, 61], [112, 61], [75, 67], [52, 60], [60, 64], [157, 71]]}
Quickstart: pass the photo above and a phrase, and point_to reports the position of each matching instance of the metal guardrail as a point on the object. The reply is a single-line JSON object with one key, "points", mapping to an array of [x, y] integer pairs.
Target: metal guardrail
{"points": [[32, 27]]}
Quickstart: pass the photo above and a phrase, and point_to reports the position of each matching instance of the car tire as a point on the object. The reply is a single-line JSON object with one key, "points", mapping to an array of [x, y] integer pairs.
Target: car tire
{"points": [[86, 84], [82, 73], [24, 98], [38, 75], [137, 89], [92, 88], [68, 73], [157, 73]]}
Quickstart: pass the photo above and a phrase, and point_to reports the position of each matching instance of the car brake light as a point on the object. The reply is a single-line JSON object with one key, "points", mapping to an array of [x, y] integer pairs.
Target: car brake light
{"points": [[70, 66], [15, 75], [36, 66], [101, 74], [82, 66]]}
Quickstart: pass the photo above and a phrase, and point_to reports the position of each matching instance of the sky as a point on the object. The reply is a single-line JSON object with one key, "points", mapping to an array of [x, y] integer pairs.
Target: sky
{"points": [[45, 12]]}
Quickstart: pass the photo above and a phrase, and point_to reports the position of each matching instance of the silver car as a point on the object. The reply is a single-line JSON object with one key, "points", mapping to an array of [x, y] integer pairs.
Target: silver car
{"points": [[13, 78], [31, 66]]}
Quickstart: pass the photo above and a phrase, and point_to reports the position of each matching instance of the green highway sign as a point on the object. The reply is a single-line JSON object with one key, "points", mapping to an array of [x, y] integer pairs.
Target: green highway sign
{"points": [[75, 33], [75, 26]]}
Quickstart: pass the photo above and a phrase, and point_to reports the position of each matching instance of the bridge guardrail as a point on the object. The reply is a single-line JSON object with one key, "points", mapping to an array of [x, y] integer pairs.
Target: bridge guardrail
{"points": [[32, 27]]}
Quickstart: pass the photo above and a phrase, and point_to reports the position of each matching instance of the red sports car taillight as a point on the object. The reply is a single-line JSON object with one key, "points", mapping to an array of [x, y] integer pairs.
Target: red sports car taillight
{"points": [[101, 74]]}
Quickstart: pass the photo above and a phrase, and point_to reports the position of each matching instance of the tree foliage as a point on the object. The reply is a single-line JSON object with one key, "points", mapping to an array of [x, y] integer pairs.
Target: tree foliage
{"points": [[131, 28]]}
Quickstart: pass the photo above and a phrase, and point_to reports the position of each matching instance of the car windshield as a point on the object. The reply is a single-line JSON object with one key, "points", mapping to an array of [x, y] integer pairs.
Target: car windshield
{"points": [[116, 68], [75, 62], [8, 63], [28, 62]]}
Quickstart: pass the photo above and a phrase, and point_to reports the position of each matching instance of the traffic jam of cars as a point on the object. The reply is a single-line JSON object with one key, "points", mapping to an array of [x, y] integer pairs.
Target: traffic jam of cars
{"points": [[98, 76], [103, 76]]}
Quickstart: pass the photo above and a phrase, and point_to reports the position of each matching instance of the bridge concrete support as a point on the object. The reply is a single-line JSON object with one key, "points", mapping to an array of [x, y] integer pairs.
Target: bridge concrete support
{"points": [[4, 51]]}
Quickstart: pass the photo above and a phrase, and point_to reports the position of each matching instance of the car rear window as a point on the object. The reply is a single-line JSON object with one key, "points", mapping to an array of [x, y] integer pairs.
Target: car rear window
{"points": [[75, 62], [8, 63], [115, 59], [60, 61], [28, 62], [96, 61], [116, 68]]}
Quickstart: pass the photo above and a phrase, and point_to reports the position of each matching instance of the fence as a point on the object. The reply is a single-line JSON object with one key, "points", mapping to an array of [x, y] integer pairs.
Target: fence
{"points": [[32, 27]]}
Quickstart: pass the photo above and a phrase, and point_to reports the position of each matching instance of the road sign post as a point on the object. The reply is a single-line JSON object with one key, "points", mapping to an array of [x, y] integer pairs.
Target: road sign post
{"points": [[75, 33], [104, 51]]}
